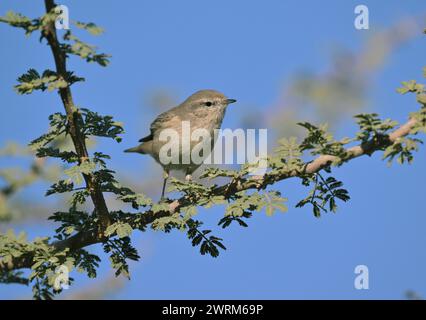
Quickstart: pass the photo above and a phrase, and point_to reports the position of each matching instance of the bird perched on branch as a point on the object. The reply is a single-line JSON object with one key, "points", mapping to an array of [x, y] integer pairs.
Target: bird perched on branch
{"points": [[204, 109]]}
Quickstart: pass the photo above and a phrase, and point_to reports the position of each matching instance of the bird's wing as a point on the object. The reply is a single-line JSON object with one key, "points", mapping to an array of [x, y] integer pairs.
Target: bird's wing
{"points": [[160, 122]]}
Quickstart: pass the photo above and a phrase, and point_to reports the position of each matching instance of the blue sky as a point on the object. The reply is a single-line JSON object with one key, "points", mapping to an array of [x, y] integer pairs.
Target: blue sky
{"points": [[248, 50]]}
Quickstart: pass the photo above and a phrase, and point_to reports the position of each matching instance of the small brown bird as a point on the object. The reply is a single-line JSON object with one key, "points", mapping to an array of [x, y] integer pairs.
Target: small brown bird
{"points": [[204, 109]]}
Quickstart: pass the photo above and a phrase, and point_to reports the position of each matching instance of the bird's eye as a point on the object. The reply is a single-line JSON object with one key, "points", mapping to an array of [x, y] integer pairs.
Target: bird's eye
{"points": [[208, 104]]}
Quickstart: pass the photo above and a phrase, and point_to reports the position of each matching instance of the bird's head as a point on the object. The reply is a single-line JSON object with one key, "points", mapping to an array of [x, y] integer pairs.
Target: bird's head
{"points": [[209, 99]]}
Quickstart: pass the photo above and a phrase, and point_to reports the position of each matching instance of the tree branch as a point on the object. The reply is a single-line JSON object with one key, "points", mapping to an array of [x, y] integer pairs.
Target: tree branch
{"points": [[142, 220], [74, 118]]}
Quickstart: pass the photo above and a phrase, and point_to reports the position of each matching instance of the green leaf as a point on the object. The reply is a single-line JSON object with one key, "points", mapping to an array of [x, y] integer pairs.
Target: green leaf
{"points": [[83, 50], [92, 28], [273, 200], [101, 126], [124, 230], [121, 229], [75, 173], [421, 98], [373, 127], [410, 86], [269, 210], [158, 207], [58, 123], [49, 80], [189, 212], [20, 21], [168, 222], [60, 187]]}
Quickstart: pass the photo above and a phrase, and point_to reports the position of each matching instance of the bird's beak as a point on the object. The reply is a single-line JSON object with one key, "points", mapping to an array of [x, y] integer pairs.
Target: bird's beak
{"points": [[229, 101]]}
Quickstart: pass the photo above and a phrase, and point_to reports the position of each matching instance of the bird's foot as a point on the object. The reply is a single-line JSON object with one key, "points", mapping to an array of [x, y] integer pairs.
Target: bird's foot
{"points": [[165, 174]]}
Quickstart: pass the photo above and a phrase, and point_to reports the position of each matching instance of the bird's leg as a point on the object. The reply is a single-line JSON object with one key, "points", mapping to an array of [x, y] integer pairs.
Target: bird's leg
{"points": [[165, 176]]}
